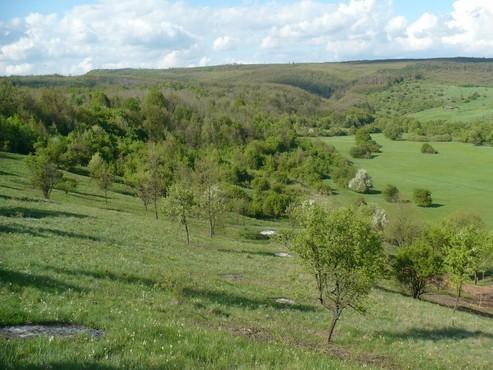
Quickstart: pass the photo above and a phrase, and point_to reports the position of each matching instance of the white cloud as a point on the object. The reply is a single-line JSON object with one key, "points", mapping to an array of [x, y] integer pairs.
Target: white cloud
{"points": [[18, 69], [224, 43], [164, 34]]}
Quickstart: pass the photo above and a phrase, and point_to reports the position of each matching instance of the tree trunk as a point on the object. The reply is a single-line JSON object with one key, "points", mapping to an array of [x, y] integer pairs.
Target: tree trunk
{"points": [[155, 207], [459, 290], [337, 314], [186, 231]]}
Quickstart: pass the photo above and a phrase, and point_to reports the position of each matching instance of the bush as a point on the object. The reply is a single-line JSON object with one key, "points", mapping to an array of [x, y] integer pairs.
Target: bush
{"points": [[422, 198], [391, 194], [428, 149], [67, 184], [360, 151], [361, 183], [415, 265]]}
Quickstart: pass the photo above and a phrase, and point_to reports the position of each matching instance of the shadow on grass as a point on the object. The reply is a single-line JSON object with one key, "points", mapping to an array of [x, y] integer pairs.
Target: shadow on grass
{"points": [[63, 365], [436, 205], [5, 173], [436, 334], [20, 279], [20, 199], [42, 232], [11, 187], [442, 304], [258, 253], [36, 213], [103, 275], [229, 299]]}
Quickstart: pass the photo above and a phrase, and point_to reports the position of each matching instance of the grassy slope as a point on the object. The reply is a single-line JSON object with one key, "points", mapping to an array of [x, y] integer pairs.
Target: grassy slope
{"points": [[166, 305], [459, 177]]}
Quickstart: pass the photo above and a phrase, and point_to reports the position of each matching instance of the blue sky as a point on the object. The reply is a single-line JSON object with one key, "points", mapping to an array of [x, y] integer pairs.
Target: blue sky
{"points": [[21, 8], [74, 36]]}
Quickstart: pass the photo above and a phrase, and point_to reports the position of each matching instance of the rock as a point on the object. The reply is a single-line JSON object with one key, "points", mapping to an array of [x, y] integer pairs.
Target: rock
{"points": [[52, 330], [282, 254], [267, 232], [285, 301]]}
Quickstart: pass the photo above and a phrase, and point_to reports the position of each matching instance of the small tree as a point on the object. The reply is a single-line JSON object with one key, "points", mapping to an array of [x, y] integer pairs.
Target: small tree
{"points": [[67, 184], [361, 183], [44, 172], [344, 254], [140, 184], [211, 198], [462, 256], [422, 198], [391, 194], [415, 265], [428, 149], [180, 204], [102, 173]]}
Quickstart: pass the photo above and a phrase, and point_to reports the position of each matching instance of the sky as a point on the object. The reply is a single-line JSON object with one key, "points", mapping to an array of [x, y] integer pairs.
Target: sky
{"points": [[72, 37]]}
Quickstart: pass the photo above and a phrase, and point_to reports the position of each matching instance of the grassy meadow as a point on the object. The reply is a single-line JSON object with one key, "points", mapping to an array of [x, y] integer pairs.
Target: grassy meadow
{"points": [[459, 176], [162, 304]]}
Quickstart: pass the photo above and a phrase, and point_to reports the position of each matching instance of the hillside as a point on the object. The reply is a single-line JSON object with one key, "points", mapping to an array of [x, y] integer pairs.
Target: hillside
{"points": [[163, 304]]}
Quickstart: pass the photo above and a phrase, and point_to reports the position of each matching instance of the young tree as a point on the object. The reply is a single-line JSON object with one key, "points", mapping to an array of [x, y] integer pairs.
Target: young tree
{"points": [[361, 183], [415, 265], [180, 204], [391, 194], [102, 172], [403, 228], [44, 172], [67, 184], [422, 198], [210, 197], [157, 116], [159, 172], [344, 254], [140, 183], [462, 255]]}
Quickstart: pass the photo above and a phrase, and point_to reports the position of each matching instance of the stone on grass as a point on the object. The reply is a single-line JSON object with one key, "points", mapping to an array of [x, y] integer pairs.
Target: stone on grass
{"points": [[286, 301], [283, 254], [267, 232], [52, 330]]}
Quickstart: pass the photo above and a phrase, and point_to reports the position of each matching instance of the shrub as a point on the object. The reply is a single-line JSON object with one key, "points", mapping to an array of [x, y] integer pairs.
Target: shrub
{"points": [[361, 183], [391, 194], [415, 265], [422, 198], [67, 184], [360, 151], [428, 149]]}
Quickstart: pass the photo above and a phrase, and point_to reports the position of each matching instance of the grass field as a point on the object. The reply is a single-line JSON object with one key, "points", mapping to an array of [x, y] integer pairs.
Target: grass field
{"points": [[209, 305], [459, 177]]}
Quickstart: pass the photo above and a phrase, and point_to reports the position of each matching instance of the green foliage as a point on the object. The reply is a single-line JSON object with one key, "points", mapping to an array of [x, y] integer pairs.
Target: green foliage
{"points": [[415, 265], [180, 204], [67, 184], [17, 136], [428, 149], [343, 253], [422, 198], [102, 173], [391, 194], [43, 171], [365, 145]]}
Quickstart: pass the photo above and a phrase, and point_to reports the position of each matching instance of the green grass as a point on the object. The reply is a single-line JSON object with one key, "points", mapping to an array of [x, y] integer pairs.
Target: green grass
{"points": [[459, 177], [167, 305]]}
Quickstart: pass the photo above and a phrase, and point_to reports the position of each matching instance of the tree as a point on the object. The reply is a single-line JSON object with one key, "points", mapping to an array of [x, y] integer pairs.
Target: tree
{"points": [[67, 184], [462, 255], [44, 172], [365, 145], [391, 194], [393, 131], [361, 183], [141, 185], [422, 198], [157, 116], [344, 254], [415, 265], [428, 149], [211, 198], [159, 172], [102, 172], [403, 228], [180, 204]]}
